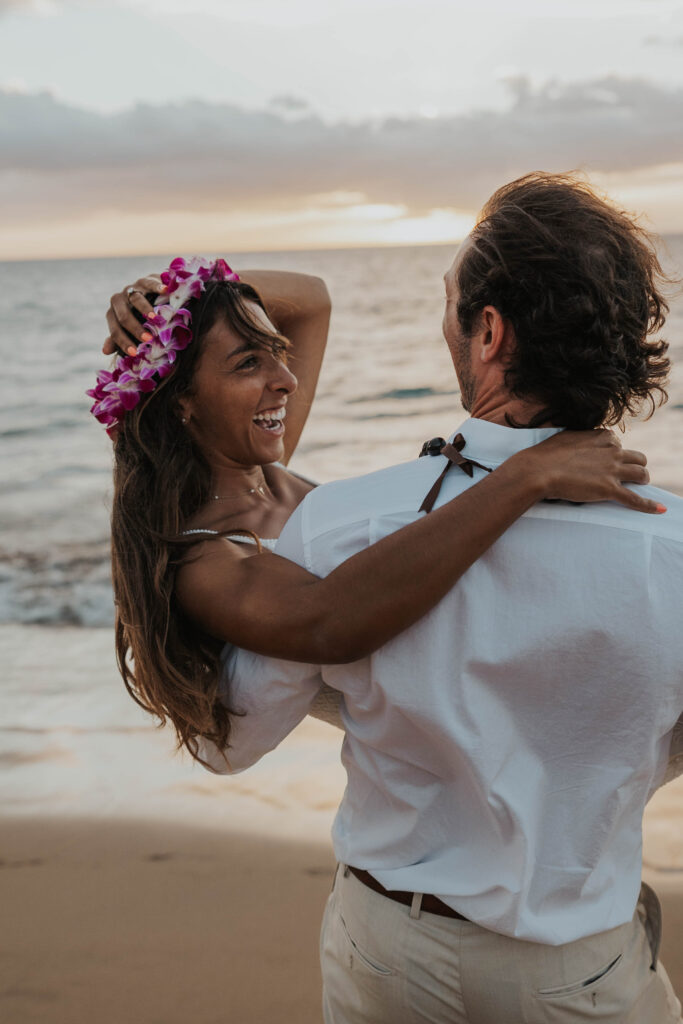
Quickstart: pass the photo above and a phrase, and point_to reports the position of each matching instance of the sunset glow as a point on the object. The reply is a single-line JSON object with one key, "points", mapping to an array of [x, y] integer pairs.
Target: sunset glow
{"points": [[227, 129]]}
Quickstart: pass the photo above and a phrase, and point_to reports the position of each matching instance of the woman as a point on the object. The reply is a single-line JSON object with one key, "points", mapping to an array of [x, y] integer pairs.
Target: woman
{"points": [[200, 453]]}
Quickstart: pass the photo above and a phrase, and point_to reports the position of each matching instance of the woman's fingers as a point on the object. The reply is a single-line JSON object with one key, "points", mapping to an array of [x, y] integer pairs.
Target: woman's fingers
{"points": [[631, 473], [118, 337], [629, 455], [122, 306], [138, 300], [631, 499], [125, 329], [151, 283], [594, 467]]}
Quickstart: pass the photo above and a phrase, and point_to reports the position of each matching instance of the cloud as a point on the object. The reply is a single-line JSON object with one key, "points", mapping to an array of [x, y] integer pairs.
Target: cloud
{"points": [[290, 104], [59, 160], [669, 41], [32, 6]]}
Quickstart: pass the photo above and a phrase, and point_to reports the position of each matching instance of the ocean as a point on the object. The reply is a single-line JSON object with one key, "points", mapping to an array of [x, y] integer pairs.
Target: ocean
{"points": [[386, 386], [72, 742]]}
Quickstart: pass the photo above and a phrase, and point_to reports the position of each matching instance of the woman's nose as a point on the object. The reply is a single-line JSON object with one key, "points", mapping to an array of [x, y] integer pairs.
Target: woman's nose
{"points": [[284, 380]]}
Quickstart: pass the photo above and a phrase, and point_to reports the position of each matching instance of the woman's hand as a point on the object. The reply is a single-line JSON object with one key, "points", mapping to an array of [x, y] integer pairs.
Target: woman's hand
{"points": [[125, 330], [588, 465]]}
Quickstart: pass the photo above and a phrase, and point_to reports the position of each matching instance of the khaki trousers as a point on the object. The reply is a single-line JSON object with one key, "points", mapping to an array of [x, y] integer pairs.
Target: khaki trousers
{"points": [[381, 965]]}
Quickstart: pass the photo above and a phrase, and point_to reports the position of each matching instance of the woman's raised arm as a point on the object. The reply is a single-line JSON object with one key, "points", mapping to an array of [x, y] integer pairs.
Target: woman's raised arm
{"points": [[299, 306], [272, 606]]}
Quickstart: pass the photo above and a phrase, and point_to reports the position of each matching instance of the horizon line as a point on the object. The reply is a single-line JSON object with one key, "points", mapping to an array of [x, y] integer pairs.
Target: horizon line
{"points": [[246, 252], [237, 252]]}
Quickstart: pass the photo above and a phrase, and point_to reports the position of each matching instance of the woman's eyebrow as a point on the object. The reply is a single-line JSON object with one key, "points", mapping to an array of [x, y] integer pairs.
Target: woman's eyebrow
{"points": [[245, 347]]}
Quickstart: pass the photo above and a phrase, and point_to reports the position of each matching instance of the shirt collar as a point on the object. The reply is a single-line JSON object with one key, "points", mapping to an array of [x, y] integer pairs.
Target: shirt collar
{"points": [[491, 444]]}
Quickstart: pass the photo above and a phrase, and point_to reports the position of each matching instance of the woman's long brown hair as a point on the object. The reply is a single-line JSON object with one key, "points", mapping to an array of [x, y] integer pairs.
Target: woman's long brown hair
{"points": [[161, 479]]}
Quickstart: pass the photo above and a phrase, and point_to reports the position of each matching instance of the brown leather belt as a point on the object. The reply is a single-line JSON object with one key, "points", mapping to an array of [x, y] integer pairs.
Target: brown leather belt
{"points": [[430, 904]]}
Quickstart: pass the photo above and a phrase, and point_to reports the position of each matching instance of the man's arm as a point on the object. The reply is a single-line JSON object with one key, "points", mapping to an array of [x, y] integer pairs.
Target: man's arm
{"points": [[274, 695]]}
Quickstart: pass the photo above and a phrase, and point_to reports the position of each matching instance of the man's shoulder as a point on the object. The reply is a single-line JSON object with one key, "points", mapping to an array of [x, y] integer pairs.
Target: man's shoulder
{"points": [[394, 489], [668, 526], [670, 523]]}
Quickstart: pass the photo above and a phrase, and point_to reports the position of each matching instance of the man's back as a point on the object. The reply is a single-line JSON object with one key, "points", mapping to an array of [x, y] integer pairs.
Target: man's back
{"points": [[500, 752]]}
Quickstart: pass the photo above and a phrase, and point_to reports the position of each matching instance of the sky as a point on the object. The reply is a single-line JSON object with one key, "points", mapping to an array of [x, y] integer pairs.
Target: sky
{"points": [[146, 126]]}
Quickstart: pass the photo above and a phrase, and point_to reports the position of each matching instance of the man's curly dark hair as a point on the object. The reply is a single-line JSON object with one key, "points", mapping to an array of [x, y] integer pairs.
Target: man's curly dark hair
{"points": [[579, 281]]}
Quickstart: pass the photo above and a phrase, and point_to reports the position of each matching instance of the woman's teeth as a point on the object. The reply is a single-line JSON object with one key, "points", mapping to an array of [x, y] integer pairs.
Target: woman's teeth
{"points": [[271, 420]]}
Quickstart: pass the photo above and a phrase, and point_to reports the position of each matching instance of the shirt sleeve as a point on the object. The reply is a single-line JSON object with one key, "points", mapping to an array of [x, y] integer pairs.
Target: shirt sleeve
{"points": [[270, 695]]}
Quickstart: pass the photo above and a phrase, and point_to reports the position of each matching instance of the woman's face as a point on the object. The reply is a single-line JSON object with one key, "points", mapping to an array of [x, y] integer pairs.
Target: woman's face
{"points": [[237, 405]]}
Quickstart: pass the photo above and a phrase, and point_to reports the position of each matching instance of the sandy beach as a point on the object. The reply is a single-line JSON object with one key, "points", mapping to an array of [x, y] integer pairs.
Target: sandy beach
{"points": [[134, 885], [122, 921], [117, 921], [137, 887]]}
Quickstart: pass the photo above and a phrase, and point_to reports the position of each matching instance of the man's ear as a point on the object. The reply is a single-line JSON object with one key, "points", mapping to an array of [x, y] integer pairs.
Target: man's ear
{"points": [[495, 335]]}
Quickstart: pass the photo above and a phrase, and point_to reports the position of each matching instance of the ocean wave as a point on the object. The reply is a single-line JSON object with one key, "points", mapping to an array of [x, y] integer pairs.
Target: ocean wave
{"points": [[400, 394], [69, 585], [40, 429]]}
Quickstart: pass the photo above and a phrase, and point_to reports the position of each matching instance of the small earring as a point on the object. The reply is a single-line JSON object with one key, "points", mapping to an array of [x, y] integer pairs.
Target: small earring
{"points": [[183, 420]]}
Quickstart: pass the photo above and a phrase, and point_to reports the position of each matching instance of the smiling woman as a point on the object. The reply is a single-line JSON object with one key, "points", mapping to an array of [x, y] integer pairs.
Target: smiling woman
{"points": [[241, 382], [199, 479]]}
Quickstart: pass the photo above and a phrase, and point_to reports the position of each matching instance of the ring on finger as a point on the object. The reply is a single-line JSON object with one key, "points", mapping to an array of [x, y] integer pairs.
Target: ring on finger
{"points": [[131, 291]]}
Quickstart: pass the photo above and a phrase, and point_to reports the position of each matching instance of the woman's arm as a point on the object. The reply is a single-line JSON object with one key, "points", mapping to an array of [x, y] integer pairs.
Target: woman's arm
{"points": [[297, 304], [272, 606]]}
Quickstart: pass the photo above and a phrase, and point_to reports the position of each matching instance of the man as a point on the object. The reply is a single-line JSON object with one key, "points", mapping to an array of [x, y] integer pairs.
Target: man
{"points": [[501, 751]]}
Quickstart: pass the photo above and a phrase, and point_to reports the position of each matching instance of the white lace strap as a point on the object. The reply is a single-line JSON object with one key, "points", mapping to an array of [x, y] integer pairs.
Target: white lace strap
{"points": [[240, 538]]}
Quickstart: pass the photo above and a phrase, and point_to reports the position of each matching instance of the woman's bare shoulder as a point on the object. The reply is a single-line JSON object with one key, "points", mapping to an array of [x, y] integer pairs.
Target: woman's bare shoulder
{"points": [[290, 487], [204, 563]]}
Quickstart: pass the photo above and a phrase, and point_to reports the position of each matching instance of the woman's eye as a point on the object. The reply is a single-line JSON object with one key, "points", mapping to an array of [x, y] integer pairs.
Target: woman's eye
{"points": [[248, 363]]}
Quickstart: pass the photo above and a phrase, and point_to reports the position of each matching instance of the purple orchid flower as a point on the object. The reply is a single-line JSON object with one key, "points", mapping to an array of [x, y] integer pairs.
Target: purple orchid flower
{"points": [[118, 391], [103, 377], [223, 272], [157, 356]]}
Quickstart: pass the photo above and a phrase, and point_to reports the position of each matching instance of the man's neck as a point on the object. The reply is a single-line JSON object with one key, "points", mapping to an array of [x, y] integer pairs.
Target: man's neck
{"points": [[504, 410]]}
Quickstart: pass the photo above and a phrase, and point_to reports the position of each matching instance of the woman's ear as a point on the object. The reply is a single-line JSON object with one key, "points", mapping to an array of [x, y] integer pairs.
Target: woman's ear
{"points": [[184, 410]]}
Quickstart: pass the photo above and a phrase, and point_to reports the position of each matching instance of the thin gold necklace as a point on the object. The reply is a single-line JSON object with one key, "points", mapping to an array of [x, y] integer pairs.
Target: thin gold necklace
{"points": [[260, 489]]}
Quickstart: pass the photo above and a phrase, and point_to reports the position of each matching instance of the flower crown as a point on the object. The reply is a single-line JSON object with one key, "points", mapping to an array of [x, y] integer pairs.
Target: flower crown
{"points": [[119, 390]]}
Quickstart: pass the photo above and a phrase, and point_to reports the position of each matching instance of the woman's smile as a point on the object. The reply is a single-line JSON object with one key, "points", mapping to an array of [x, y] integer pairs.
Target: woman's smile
{"points": [[271, 420]]}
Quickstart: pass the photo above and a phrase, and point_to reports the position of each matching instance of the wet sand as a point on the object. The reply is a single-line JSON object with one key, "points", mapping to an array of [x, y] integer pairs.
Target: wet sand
{"points": [[121, 921], [115, 921]]}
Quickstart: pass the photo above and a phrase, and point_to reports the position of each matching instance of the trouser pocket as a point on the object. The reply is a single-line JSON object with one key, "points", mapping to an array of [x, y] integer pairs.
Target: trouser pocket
{"points": [[650, 914]]}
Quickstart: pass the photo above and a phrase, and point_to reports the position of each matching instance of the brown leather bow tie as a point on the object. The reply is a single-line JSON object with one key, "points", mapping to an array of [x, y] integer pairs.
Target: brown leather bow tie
{"points": [[452, 451]]}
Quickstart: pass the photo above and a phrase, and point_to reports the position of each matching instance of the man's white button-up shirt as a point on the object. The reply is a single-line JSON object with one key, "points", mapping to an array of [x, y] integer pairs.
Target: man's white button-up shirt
{"points": [[501, 751]]}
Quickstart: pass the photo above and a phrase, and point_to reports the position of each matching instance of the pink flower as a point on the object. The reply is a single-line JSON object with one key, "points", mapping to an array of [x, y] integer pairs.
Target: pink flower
{"points": [[223, 272], [157, 357], [103, 377], [128, 385], [119, 390]]}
